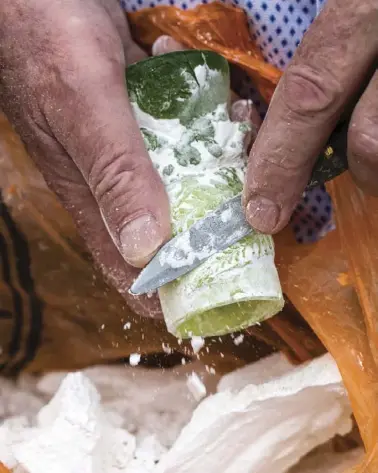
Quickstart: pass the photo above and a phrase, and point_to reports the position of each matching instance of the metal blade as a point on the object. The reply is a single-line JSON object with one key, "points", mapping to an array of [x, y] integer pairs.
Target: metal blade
{"points": [[214, 233]]}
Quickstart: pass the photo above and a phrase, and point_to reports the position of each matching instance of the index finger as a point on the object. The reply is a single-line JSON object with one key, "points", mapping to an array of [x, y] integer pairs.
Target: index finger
{"points": [[325, 72]]}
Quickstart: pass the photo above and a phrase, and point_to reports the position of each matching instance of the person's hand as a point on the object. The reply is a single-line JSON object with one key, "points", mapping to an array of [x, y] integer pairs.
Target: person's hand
{"points": [[62, 85], [334, 60]]}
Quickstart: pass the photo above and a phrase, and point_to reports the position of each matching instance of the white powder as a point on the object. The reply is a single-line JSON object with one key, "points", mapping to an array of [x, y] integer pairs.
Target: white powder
{"points": [[184, 254], [170, 129], [129, 431], [197, 344], [239, 339], [204, 75], [134, 359], [73, 434], [171, 133], [166, 348], [226, 215], [196, 387], [210, 369], [264, 427]]}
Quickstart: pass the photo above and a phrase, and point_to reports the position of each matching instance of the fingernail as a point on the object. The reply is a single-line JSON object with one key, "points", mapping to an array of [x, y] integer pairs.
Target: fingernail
{"points": [[262, 214], [140, 239], [160, 45], [166, 44], [240, 110]]}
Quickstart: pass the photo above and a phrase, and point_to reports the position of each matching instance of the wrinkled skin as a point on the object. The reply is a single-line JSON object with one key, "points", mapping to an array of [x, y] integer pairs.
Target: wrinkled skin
{"points": [[335, 59], [62, 86], [331, 64]]}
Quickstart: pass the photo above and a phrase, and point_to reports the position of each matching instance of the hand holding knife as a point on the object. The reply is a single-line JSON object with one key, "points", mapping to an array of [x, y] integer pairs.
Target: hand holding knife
{"points": [[214, 233]]}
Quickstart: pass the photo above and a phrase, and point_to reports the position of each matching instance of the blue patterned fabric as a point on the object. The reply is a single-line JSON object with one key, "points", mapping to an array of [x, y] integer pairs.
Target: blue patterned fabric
{"points": [[277, 27]]}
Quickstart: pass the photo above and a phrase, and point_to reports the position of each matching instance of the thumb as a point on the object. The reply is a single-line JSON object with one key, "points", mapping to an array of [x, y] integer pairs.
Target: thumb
{"points": [[107, 147]]}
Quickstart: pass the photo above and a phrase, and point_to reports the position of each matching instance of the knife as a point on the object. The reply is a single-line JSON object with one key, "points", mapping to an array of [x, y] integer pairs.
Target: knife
{"points": [[212, 234]]}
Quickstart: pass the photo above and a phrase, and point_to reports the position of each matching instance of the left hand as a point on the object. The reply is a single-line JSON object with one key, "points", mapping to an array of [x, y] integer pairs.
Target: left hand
{"points": [[62, 86]]}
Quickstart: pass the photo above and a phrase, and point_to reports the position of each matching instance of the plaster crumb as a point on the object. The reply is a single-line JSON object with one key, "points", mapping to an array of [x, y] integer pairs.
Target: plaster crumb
{"points": [[196, 386], [134, 359], [112, 419], [210, 369], [166, 348], [127, 326], [239, 340], [265, 427], [197, 344]]}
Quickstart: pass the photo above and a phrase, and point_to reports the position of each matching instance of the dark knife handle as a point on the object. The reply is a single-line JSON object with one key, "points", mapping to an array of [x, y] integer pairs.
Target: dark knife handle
{"points": [[333, 160]]}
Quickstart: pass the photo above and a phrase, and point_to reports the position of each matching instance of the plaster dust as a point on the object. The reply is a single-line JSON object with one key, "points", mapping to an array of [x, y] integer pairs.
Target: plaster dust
{"points": [[197, 344], [263, 419], [196, 386], [171, 134]]}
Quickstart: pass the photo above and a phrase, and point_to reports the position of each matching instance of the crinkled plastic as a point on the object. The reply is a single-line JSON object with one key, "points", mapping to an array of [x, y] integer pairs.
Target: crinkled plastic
{"points": [[318, 279], [331, 283], [217, 27]]}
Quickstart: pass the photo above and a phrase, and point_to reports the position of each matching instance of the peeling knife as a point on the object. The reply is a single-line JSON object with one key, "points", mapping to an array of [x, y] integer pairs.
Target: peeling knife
{"points": [[212, 234]]}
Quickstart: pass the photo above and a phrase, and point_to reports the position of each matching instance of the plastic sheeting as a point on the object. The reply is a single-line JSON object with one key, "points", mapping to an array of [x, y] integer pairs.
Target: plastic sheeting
{"points": [[216, 27], [331, 283]]}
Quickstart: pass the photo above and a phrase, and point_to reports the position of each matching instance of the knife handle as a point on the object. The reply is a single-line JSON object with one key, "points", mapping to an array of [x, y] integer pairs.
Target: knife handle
{"points": [[333, 160]]}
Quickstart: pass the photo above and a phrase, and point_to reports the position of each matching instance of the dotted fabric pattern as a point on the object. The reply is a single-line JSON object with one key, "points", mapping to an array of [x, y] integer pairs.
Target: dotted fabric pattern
{"points": [[277, 27]]}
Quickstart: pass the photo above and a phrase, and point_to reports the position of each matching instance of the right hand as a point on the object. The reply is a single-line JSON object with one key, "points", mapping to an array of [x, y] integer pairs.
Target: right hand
{"points": [[62, 85], [335, 62]]}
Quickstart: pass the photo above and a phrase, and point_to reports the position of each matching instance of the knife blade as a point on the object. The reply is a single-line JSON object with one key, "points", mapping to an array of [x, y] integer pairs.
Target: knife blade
{"points": [[187, 250], [216, 231]]}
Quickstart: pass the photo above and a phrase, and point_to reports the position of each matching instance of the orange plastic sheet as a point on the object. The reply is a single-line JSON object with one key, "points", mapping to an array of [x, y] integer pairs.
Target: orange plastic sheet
{"points": [[357, 218], [216, 27], [333, 283], [318, 280]]}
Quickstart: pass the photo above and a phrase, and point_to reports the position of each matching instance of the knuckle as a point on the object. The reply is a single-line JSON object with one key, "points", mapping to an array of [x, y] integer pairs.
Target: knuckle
{"points": [[279, 162], [114, 175], [281, 176], [285, 165], [307, 91]]}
